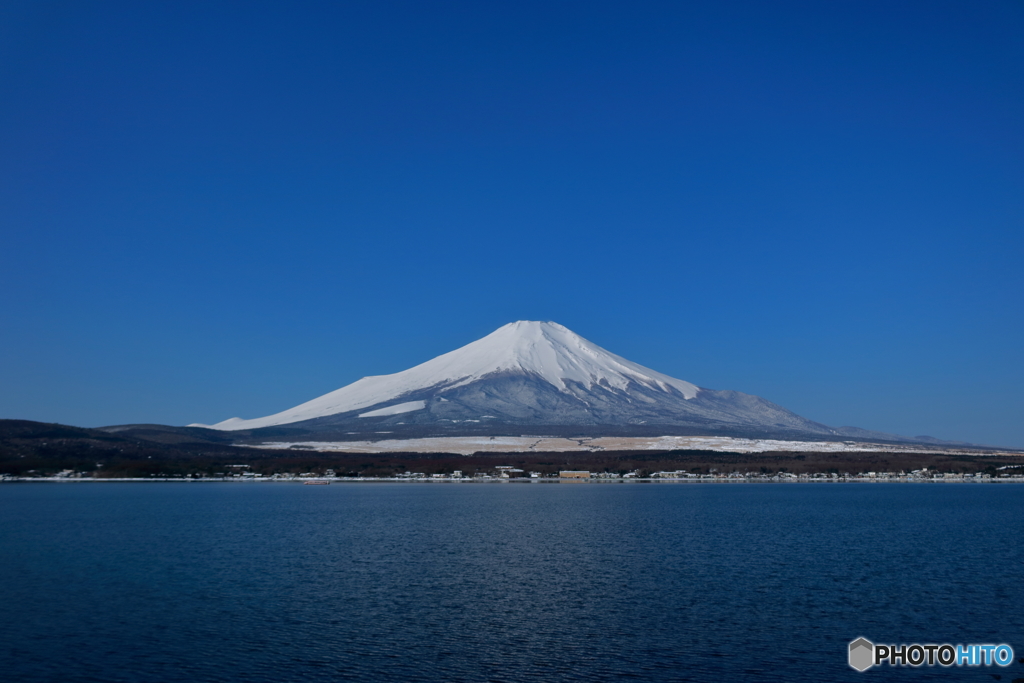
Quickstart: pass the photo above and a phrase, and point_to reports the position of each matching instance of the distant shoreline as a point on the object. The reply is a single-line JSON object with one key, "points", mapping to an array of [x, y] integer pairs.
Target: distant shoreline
{"points": [[34, 451], [855, 479]]}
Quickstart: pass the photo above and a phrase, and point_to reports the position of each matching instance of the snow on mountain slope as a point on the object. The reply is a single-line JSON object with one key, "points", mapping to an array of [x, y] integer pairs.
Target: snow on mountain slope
{"points": [[544, 350], [399, 409]]}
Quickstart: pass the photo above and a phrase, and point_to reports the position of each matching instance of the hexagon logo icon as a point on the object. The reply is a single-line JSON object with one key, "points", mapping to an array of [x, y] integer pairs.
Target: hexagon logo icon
{"points": [[862, 654]]}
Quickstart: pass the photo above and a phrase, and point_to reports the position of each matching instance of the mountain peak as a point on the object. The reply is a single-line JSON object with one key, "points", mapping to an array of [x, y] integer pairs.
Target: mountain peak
{"points": [[551, 351], [532, 328], [539, 375], [542, 350]]}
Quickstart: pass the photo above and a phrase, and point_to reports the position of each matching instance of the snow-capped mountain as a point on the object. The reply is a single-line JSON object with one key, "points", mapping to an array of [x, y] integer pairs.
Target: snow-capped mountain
{"points": [[534, 373]]}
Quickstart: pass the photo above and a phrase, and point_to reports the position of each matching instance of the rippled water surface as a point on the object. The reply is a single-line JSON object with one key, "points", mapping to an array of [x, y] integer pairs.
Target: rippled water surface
{"points": [[501, 582]]}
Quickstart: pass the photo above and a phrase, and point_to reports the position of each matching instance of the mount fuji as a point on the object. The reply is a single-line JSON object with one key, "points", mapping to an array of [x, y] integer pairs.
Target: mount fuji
{"points": [[538, 375]]}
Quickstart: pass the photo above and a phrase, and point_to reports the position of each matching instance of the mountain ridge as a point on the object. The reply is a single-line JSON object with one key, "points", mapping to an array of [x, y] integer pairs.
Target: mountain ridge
{"points": [[545, 350], [531, 374]]}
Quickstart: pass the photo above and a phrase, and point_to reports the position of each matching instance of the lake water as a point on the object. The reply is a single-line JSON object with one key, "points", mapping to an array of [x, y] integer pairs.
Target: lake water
{"points": [[501, 582]]}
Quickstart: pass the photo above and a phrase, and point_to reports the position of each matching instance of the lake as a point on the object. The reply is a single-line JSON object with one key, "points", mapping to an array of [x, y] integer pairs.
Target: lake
{"points": [[501, 582]]}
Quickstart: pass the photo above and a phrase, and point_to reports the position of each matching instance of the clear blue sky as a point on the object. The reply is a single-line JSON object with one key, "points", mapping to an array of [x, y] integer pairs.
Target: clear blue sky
{"points": [[219, 209]]}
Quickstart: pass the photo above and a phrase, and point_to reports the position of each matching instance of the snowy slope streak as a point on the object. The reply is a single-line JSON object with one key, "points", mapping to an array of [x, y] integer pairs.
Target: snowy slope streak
{"points": [[536, 373]]}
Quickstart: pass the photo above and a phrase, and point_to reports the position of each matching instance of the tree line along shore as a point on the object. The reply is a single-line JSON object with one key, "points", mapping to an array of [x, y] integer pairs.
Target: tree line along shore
{"points": [[29, 449]]}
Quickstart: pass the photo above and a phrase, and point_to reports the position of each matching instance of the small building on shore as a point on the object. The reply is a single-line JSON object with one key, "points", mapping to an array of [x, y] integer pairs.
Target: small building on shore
{"points": [[574, 474]]}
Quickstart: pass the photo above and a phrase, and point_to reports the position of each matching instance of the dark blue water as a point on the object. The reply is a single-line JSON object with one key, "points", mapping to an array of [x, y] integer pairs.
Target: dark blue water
{"points": [[514, 582]]}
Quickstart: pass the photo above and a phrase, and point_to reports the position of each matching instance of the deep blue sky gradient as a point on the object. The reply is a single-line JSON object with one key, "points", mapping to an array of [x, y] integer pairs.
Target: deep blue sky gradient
{"points": [[218, 209]]}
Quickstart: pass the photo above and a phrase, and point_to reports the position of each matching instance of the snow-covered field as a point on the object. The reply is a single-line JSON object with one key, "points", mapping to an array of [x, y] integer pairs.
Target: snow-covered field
{"points": [[467, 445]]}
